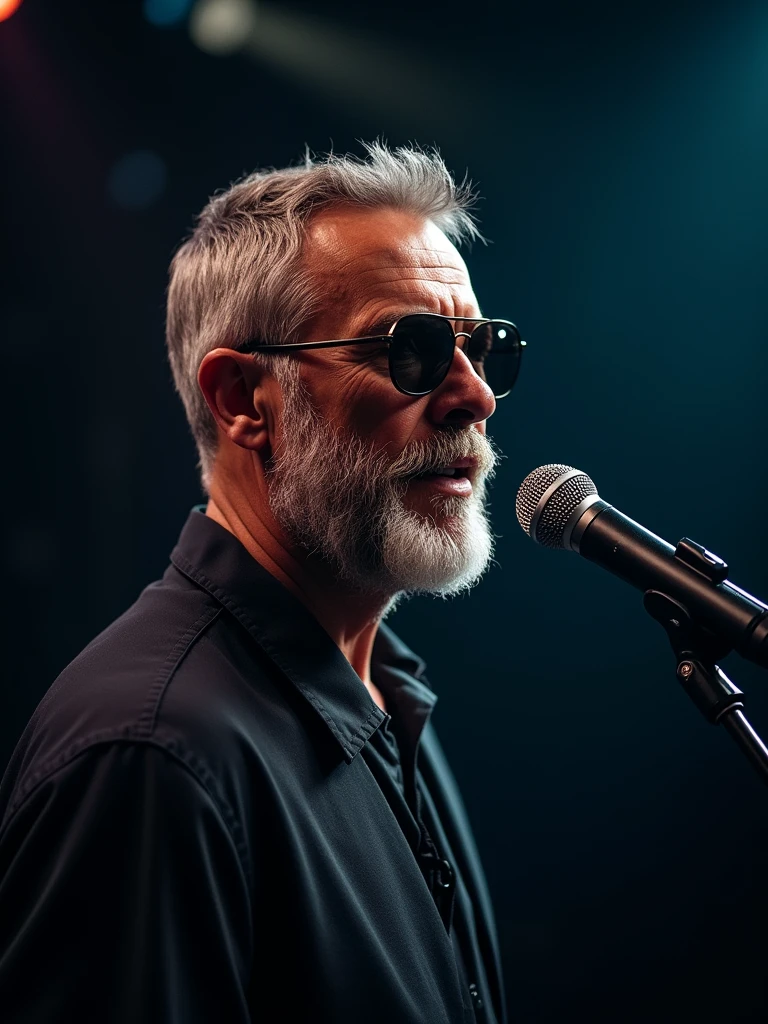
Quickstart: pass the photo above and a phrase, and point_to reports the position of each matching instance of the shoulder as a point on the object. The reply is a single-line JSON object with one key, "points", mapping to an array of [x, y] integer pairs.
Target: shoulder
{"points": [[122, 836], [169, 674]]}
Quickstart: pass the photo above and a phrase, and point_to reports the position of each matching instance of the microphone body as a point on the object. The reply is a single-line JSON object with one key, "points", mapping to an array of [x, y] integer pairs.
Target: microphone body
{"points": [[559, 507], [623, 547]]}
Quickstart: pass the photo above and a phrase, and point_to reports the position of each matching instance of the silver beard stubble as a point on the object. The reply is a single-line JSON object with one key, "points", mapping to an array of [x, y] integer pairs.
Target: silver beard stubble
{"points": [[343, 501]]}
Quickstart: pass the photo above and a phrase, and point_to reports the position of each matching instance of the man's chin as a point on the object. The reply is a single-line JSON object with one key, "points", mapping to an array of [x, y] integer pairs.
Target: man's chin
{"points": [[437, 509], [444, 553]]}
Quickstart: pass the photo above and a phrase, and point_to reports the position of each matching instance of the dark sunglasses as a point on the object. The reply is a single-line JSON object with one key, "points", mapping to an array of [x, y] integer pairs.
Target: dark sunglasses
{"points": [[422, 346]]}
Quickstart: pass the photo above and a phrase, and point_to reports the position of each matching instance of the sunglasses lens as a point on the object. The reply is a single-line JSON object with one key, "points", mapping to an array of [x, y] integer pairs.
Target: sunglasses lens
{"points": [[420, 353], [495, 350]]}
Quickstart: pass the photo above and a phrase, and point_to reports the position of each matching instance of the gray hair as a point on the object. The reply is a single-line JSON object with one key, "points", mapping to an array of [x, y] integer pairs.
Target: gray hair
{"points": [[238, 276]]}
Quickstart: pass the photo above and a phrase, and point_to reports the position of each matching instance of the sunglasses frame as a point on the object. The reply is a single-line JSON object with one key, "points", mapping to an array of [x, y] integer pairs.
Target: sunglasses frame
{"points": [[253, 346]]}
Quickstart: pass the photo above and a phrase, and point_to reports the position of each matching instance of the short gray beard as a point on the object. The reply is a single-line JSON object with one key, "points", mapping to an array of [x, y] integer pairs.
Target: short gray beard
{"points": [[342, 501]]}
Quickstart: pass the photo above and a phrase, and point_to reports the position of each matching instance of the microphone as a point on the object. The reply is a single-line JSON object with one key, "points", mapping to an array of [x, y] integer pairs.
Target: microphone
{"points": [[559, 507]]}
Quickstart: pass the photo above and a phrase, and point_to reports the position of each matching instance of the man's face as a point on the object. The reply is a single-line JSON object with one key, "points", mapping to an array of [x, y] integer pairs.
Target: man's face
{"points": [[349, 445]]}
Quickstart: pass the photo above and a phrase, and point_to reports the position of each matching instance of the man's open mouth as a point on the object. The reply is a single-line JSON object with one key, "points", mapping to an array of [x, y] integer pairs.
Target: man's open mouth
{"points": [[459, 469], [452, 472]]}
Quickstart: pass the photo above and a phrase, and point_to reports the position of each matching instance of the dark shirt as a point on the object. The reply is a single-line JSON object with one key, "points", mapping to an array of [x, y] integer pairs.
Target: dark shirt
{"points": [[209, 821]]}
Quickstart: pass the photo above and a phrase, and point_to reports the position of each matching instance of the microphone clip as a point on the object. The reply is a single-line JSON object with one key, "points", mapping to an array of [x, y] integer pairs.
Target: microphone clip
{"points": [[687, 638], [696, 650]]}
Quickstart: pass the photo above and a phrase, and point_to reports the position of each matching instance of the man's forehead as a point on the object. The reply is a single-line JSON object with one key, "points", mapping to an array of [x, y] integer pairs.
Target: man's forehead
{"points": [[358, 241]]}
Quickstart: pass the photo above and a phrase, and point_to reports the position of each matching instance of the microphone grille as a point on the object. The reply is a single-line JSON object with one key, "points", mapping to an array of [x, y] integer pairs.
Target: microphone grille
{"points": [[546, 500]]}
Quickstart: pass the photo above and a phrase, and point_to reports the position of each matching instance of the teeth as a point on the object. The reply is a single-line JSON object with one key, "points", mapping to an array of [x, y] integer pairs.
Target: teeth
{"points": [[445, 472]]}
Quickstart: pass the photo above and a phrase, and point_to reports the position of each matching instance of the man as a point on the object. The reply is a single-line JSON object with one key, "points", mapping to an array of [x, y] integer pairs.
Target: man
{"points": [[231, 806]]}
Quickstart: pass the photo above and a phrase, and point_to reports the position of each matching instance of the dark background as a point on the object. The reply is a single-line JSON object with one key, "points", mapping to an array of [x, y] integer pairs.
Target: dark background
{"points": [[621, 152]]}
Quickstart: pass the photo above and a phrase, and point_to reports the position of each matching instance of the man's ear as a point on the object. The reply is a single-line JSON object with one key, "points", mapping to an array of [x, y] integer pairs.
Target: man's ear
{"points": [[233, 385]]}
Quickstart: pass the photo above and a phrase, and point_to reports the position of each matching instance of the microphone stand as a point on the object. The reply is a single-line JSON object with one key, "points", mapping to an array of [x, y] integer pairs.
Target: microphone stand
{"points": [[710, 689]]}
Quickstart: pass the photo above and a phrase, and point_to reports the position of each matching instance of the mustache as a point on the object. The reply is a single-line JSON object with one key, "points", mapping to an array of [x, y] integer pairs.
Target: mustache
{"points": [[443, 449]]}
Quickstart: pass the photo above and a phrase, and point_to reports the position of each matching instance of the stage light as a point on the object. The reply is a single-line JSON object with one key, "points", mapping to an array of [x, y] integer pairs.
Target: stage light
{"points": [[166, 12], [7, 8], [406, 90], [137, 180], [222, 26]]}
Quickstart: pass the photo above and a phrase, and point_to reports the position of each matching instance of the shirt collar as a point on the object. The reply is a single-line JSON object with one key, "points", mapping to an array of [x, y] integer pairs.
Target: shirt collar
{"points": [[399, 674], [294, 640]]}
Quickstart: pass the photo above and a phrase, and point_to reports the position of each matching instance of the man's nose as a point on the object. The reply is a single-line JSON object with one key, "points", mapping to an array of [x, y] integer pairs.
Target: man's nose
{"points": [[463, 397]]}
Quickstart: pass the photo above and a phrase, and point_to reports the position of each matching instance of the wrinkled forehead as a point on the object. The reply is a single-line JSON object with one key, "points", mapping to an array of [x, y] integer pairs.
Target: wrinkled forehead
{"points": [[354, 253]]}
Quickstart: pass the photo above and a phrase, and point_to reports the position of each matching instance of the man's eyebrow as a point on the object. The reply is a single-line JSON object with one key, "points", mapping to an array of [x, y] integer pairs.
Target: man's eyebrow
{"points": [[383, 324]]}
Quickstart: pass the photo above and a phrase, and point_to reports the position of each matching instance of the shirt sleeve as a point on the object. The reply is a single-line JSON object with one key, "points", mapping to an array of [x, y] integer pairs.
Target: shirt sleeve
{"points": [[122, 897]]}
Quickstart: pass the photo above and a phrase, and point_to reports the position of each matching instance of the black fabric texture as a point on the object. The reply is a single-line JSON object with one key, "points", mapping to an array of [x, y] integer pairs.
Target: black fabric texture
{"points": [[208, 820]]}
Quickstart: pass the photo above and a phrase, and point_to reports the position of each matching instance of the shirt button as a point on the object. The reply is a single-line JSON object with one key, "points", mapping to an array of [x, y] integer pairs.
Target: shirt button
{"points": [[446, 875], [477, 1001]]}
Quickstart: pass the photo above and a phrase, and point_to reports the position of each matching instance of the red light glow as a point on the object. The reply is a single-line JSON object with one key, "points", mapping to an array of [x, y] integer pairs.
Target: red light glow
{"points": [[7, 7]]}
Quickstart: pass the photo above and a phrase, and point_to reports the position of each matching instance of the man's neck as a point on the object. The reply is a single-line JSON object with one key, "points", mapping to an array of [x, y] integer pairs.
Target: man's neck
{"points": [[350, 619]]}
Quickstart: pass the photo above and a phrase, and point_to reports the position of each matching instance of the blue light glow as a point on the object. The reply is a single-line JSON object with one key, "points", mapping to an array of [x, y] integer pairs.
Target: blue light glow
{"points": [[166, 12]]}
